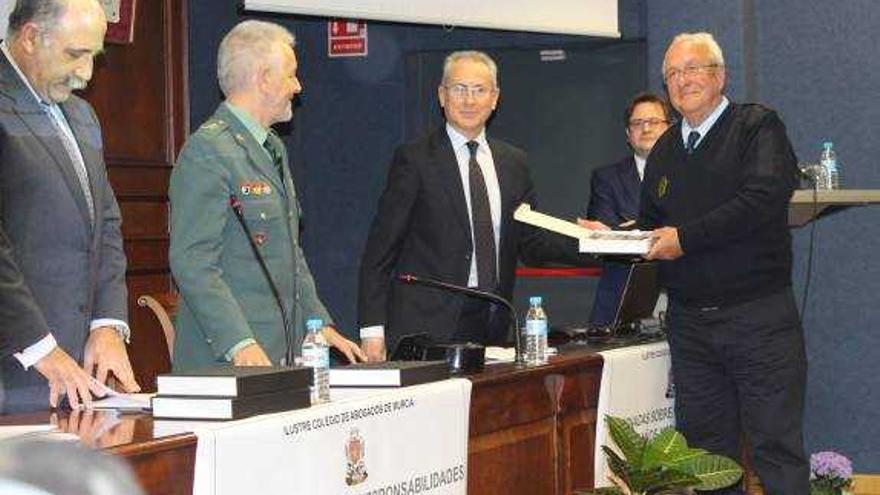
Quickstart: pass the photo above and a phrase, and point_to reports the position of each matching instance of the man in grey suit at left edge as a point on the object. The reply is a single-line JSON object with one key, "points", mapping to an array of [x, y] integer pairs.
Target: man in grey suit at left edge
{"points": [[62, 268]]}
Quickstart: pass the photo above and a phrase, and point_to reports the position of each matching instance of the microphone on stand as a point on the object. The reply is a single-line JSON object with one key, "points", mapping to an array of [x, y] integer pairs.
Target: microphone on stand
{"points": [[409, 278], [237, 209]]}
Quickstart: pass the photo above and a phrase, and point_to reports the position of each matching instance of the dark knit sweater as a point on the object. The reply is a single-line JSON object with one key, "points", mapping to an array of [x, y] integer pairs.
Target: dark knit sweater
{"points": [[729, 201]]}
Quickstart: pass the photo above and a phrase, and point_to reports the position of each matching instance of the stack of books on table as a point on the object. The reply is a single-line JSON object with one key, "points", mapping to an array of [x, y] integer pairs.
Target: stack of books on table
{"points": [[231, 392], [388, 374]]}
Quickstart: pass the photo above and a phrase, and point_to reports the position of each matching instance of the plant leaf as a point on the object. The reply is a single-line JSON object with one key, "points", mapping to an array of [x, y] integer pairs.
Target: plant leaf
{"points": [[618, 466], [631, 444], [656, 479], [664, 448], [684, 456], [713, 471]]}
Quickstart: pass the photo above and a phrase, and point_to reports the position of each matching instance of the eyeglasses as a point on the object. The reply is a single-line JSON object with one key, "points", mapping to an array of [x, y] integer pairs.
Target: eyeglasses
{"points": [[639, 124], [461, 91], [688, 71]]}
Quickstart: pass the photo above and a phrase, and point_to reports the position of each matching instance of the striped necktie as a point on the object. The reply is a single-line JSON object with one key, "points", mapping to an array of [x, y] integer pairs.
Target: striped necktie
{"points": [[69, 142]]}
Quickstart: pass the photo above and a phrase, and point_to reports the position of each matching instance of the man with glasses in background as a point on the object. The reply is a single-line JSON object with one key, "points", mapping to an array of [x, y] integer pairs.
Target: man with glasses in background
{"points": [[614, 194], [447, 213], [716, 191]]}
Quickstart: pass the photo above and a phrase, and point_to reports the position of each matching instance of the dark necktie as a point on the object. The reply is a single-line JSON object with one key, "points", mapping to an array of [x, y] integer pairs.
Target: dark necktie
{"points": [[274, 146], [484, 234], [693, 137]]}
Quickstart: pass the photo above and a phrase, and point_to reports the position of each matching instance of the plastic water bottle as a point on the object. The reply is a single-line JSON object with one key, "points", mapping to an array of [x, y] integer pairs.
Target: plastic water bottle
{"points": [[316, 355], [828, 161], [536, 333]]}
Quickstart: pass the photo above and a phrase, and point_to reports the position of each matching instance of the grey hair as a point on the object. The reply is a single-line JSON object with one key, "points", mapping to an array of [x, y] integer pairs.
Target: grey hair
{"points": [[474, 56], [244, 48], [65, 468], [703, 39], [44, 13]]}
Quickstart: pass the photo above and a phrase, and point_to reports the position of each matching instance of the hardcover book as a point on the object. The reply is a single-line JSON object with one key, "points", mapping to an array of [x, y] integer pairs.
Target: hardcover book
{"points": [[230, 381], [388, 374], [226, 408]]}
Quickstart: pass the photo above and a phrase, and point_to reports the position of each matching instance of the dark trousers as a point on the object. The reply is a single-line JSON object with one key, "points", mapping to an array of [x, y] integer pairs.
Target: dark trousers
{"points": [[481, 322], [744, 367]]}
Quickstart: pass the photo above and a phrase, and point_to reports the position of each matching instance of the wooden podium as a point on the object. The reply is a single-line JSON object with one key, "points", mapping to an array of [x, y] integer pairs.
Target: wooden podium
{"points": [[807, 205]]}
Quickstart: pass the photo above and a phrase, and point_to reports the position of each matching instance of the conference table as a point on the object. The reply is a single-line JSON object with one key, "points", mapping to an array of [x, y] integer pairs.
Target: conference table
{"points": [[532, 431]]}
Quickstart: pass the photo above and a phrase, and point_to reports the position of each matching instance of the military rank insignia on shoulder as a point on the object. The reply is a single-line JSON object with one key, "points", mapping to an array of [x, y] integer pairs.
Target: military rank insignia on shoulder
{"points": [[213, 125]]}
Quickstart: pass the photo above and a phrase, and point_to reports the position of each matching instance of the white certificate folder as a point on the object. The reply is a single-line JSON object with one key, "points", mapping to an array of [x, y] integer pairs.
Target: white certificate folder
{"points": [[635, 242]]}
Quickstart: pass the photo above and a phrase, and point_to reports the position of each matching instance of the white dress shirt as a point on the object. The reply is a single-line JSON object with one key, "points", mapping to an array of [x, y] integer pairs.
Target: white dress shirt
{"points": [[640, 166], [706, 125]]}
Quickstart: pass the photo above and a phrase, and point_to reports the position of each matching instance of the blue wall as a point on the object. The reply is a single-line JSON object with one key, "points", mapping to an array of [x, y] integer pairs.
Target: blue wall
{"points": [[350, 117], [810, 59], [813, 61]]}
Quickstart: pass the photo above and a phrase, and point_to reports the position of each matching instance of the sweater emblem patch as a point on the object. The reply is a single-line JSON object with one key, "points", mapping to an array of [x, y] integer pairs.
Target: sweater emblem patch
{"points": [[662, 187]]}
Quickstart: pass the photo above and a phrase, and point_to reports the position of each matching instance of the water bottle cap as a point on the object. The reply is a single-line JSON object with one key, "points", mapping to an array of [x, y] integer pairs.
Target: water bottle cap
{"points": [[535, 300], [827, 145], [314, 323]]}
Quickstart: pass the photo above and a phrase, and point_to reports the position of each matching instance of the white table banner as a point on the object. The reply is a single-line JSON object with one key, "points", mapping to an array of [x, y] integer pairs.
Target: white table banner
{"points": [[636, 386], [410, 440]]}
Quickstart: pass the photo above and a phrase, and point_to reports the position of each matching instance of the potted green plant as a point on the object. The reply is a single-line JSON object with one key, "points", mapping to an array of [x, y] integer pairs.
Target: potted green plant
{"points": [[662, 464]]}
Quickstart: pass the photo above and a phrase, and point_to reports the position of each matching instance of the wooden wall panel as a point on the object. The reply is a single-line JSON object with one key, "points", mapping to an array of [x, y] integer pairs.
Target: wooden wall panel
{"points": [[531, 447], [132, 182], [134, 211], [139, 91]]}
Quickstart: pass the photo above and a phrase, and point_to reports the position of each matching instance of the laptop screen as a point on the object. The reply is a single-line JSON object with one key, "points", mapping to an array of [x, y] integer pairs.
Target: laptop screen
{"points": [[639, 294]]}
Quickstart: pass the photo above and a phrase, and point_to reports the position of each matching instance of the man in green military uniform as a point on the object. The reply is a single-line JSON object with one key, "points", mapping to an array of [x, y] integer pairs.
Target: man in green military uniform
{"points": [[231, 182]]}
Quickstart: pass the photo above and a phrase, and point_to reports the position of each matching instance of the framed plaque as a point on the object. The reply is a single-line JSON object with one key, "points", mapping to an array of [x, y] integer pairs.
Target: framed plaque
{"points": [[120, 20]]}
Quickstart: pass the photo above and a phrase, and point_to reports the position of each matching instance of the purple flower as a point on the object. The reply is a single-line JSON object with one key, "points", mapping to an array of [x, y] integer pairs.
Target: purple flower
{"points": [[829, 464]]}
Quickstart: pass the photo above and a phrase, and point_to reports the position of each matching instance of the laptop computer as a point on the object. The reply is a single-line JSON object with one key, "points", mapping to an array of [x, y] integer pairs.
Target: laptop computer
{"points": [[639, 296]]}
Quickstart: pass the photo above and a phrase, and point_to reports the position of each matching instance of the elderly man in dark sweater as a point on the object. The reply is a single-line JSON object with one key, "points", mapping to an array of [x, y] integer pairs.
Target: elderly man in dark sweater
{"points": [[716, 192]]}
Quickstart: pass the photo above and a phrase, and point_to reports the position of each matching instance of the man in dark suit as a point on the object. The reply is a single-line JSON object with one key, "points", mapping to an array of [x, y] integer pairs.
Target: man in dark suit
{"points": [[62, 267], [614, 193], [447, 214]]}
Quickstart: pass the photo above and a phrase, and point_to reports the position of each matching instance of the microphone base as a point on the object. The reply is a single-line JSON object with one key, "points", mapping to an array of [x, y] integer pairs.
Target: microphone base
{"points": [[462, 359]]}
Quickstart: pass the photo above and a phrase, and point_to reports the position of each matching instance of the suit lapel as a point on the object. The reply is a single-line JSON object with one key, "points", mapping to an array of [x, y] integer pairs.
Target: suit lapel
{"points": [[91, 159], [502, 171], [629, 180], [443, 157], [37, 121]]}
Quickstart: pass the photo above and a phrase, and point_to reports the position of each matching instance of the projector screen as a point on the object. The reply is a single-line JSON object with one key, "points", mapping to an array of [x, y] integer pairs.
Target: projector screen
{"points": [[584, 17], [5, 9]]}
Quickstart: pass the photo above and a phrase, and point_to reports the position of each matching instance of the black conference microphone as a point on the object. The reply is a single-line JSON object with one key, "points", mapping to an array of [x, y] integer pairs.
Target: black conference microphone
{"points": [[409, 278], [236, 206]]}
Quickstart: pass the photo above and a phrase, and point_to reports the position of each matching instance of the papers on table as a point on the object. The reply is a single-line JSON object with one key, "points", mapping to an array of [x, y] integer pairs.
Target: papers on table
{"points": [[591, 241], [117, 400], [507, 354]]}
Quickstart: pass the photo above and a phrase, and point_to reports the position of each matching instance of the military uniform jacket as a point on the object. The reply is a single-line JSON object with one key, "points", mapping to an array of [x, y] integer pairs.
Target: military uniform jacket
{"points": [[225, 296]]}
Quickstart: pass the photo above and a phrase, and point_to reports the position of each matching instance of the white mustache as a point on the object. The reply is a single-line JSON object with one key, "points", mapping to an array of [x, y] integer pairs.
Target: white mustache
{"points": [[76, 83]]}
